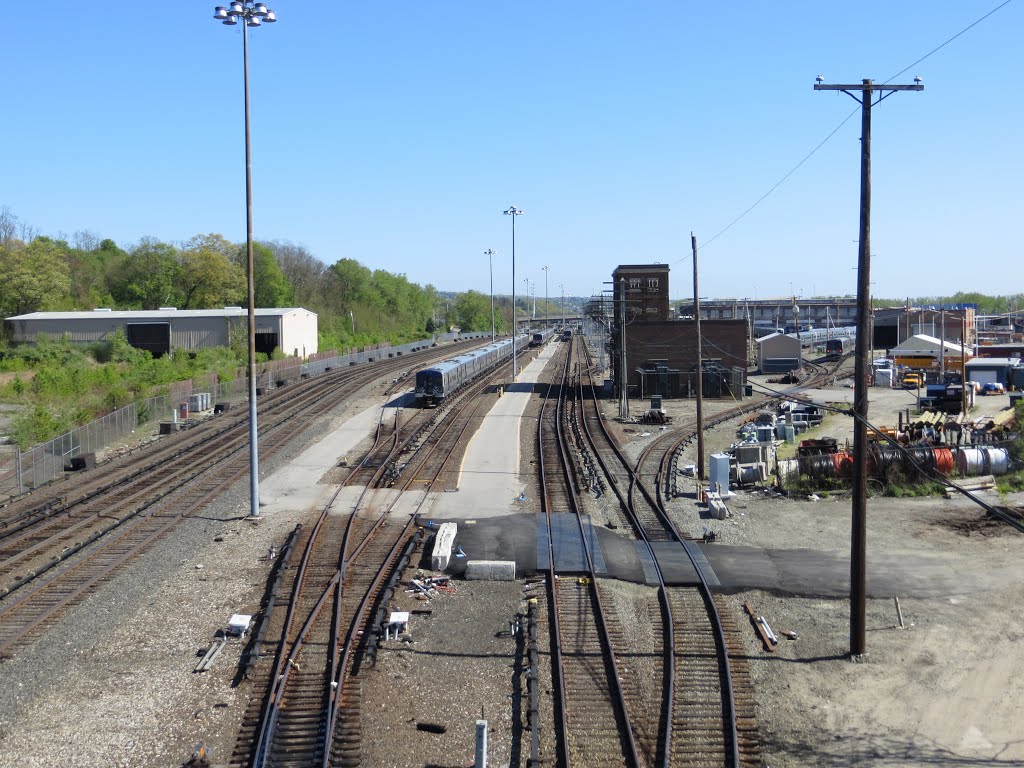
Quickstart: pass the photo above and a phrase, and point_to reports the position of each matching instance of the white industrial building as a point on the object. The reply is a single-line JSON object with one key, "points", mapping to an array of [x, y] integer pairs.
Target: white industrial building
{"points": [[779, 353], [293, 330]]}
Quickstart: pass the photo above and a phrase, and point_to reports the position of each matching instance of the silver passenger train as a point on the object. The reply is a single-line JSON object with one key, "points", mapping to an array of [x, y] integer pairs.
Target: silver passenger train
{"points": [[434, 384]]}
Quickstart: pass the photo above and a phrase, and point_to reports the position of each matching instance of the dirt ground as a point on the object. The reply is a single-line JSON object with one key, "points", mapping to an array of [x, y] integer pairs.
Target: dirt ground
{"points": [[939, 691]]}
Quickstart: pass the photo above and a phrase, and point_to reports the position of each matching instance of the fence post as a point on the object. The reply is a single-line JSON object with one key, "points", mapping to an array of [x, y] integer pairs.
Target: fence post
{"points": [[481, 744]]}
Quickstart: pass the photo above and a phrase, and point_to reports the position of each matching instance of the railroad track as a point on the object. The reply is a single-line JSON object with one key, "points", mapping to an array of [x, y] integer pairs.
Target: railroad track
{"points": [[60, 550], [702, 720], [311, 712], [592, 719]]}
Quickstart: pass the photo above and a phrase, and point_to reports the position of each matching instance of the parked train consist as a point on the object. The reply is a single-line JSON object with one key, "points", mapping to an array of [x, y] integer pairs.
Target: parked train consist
{"points": [[434, 384], [838, 347], [541, 338]]}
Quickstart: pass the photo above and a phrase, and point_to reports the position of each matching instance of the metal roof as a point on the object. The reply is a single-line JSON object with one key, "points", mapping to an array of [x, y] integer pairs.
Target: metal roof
{"points": [[153, 314], [996, 362]]}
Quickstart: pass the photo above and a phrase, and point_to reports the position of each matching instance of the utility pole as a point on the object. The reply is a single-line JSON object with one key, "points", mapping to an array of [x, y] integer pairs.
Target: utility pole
{"points": [[700, 364], [942, 345], [489, 253], [623, 376], [858, 545], [547, 307], [963, 361], [513, 212]]}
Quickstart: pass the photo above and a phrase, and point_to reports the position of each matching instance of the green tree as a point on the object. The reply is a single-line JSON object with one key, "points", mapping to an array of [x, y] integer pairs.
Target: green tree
{"points": [[148, 278], [473, 311], [350, 284], [33, 277], [271, 287], [209, 279], [303, 270]]}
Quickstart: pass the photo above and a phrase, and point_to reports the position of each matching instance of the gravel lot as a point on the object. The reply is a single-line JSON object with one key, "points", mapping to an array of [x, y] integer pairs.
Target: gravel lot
{"points": [[113, 683]]}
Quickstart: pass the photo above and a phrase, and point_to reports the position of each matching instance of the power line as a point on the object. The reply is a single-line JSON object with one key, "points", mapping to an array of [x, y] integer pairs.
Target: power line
{"points": [[845, 120], [950, 40]]}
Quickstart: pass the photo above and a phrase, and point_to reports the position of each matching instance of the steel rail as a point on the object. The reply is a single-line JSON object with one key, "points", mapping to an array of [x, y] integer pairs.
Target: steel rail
{"points": [[263, 748], [561, 732], [728, 703], [613, 676]]}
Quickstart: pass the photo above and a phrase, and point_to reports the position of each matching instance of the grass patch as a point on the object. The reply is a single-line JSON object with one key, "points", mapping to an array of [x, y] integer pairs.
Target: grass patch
{"points": [[74, 383]]}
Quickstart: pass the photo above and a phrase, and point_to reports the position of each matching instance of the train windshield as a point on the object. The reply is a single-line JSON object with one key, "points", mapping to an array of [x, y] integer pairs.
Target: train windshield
{"points": [[428, 381]]}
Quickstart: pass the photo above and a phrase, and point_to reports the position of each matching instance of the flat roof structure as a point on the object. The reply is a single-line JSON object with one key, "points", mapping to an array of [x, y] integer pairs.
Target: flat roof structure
{"points": [[293, 330]]}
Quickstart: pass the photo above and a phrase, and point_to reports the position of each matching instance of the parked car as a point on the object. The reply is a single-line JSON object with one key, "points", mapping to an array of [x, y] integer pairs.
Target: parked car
{"points": [[993, 388]]}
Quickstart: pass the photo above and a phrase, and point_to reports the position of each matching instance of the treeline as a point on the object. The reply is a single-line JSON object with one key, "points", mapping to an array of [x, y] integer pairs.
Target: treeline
{"points": [[987, 305], [355, 305]]}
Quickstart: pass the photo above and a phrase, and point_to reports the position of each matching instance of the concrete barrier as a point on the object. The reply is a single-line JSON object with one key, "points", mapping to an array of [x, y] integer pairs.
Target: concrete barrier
{"points": [[443, 541], [491, 570]]}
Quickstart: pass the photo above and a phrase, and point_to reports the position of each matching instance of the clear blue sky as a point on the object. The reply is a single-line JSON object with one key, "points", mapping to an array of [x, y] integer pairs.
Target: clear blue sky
{"points": [[396, 134]]}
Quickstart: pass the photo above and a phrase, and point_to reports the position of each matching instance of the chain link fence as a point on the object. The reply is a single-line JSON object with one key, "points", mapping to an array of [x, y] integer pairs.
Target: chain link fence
{"points": [[22, 471]]}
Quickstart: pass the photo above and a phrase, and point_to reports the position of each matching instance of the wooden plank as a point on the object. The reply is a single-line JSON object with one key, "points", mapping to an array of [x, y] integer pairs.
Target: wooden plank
{"points": [[768, 645]]}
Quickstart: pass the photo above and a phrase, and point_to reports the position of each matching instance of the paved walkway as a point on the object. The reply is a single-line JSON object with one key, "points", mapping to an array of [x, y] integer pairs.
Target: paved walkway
{"points": [[296, 486], [489, 481]]}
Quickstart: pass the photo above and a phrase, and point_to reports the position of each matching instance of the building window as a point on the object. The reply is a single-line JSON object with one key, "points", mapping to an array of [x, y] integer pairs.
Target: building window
{"points": [[652, 282], [634, 282]]}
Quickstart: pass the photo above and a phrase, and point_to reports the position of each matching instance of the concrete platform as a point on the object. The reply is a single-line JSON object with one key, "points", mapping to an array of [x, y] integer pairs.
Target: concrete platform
{"points": [[296, 487], [489, 484]]}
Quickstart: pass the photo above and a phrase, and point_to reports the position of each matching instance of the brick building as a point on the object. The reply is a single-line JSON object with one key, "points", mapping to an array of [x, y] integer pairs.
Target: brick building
{"points": [[661, 351], [645, 288]]}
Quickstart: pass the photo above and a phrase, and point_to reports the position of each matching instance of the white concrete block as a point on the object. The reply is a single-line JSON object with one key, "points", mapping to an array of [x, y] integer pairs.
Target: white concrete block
{"points": [[491, 570], [443, 541]]}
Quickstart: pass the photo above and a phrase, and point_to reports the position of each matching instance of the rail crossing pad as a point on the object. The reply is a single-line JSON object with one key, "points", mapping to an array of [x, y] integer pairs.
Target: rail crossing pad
{"points": [[567, 544], [676, 567], [646, 559]]}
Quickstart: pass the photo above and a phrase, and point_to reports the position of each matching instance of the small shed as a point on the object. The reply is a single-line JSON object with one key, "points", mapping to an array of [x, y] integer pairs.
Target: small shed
{"points": [[996, 370], [779, 353]]}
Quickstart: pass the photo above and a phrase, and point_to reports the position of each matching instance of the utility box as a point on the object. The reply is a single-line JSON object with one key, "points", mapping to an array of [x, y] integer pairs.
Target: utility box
{"points": [[719, 464]]}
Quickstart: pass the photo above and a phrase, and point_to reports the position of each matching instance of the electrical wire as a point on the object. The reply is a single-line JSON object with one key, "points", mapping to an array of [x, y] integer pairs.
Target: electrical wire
{"points": [[926, 471], [835, 130]]}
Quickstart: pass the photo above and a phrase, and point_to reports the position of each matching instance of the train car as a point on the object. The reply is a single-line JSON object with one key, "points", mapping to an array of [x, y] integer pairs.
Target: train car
{"points": [[541, 338], [436, 383], [567, 335], [838, 347]]}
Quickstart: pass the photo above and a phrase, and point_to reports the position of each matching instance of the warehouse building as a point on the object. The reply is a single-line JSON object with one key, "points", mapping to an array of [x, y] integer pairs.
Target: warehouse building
{"points": [[293, 330]]}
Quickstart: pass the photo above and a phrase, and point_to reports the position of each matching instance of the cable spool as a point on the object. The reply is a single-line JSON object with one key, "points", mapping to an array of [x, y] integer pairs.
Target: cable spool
{"points": [[944, 460], [842, 463], [919, 460], [886, 457], [818, 466], [970, 462], [998, 460]]}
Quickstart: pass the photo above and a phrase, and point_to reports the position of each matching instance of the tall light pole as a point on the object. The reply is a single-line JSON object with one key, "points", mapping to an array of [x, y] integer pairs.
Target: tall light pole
{"points": [[251, 14], [489, 253], [862, 365], [513, 212], [546, 308], [562, 287], [526, 293]]}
